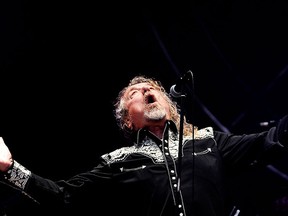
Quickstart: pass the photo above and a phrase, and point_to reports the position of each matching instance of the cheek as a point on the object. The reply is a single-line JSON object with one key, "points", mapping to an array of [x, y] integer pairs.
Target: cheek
{"points": [[135, 112], [166, 106], [136, 116], [168, 111]]}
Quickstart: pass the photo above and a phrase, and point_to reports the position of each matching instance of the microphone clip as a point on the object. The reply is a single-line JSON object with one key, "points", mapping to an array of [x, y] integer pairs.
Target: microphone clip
{"points": [[176, 90]]}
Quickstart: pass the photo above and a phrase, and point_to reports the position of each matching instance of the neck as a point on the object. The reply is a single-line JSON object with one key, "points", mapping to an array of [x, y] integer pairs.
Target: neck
{"points": [[157, 129]]}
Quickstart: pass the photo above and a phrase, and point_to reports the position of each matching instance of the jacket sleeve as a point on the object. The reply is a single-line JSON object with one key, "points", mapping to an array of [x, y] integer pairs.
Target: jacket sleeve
{"points": [[60, 195], [282, 131]]}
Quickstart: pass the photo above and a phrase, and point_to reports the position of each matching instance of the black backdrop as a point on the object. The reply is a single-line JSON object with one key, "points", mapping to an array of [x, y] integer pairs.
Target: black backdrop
{"points": [[62, 64]]}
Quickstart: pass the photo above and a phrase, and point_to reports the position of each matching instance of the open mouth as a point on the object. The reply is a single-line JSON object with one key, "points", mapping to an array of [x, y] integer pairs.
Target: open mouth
{"points": [[150, 99]]}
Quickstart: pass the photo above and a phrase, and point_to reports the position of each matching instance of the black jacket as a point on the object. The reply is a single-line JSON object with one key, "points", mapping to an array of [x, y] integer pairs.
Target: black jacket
{"points": [[143, 179]]}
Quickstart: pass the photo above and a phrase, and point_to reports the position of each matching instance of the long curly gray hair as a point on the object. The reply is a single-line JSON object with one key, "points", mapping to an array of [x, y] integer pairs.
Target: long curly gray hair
{"points": [[120, 111]]}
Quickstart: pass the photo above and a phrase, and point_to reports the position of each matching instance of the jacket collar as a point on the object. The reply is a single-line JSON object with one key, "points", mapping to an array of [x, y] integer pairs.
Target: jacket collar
{"points": [[144, 133]]}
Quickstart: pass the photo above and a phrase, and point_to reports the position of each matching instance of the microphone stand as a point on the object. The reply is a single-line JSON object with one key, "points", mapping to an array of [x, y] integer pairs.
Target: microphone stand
{"points": [[180, 137], [187, 77], [179, 168], [181, 128]]}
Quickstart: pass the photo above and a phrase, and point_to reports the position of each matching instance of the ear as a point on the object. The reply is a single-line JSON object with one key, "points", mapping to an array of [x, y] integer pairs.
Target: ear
{"points": [[128, 123]]}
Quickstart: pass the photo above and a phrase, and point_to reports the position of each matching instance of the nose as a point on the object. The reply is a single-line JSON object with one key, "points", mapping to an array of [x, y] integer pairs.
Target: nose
{"points": [[145, 89]]}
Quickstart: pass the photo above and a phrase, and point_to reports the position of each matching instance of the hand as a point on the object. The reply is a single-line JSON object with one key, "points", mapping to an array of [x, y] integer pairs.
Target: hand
{"points": [[5, 156]]}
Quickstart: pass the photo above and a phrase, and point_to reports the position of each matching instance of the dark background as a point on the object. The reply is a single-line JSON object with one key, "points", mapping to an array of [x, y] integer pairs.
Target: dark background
{"points": [[63, 63]]}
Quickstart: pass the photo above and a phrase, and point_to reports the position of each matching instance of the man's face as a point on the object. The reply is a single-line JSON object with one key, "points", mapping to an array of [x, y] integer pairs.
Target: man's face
{"points": [[146, 106]]}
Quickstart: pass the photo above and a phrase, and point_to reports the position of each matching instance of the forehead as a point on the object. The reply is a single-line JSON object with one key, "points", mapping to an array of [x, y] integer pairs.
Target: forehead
{"points": [[137, 86]]}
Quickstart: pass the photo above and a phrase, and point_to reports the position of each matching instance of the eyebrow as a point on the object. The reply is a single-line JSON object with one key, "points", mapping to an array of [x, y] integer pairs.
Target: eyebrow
{"points": [[133, 87]]}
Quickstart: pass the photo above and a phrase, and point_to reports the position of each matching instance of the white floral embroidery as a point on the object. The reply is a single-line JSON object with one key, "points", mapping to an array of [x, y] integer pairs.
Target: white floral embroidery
{"points": [[18, 175], [150, 149], [205, 133]]}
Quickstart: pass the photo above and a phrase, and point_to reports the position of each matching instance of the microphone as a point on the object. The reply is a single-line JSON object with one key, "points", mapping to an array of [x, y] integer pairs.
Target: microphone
{"points": [[176, 89]]}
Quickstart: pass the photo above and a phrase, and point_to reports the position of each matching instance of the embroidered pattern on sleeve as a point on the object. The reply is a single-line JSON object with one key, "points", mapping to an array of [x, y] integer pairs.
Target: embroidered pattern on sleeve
{"points": [[18, 175]]}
